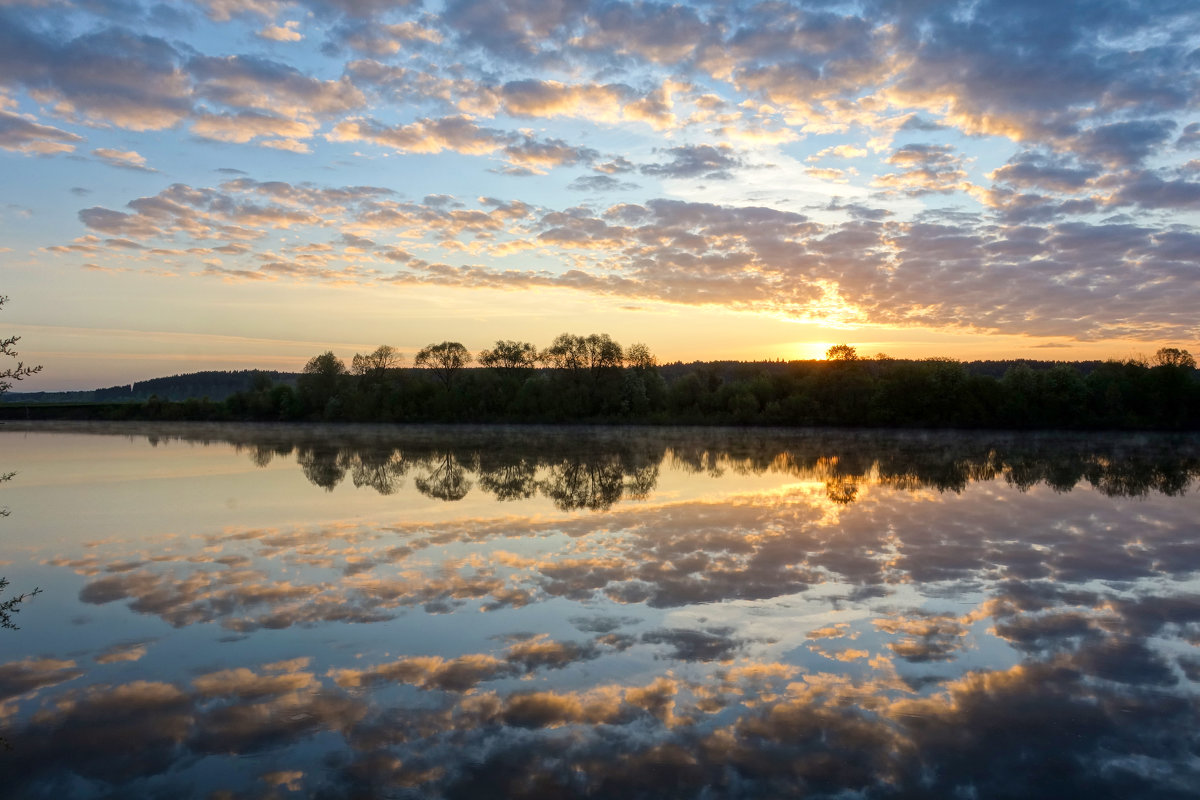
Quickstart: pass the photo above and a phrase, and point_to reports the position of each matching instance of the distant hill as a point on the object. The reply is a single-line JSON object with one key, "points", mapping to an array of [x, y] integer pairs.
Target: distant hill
{"points": [[216, 385]]}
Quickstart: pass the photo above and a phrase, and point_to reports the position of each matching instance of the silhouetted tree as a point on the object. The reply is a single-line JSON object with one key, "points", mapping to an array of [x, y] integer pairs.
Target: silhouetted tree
{"points": [[510, 356], [375, 365], [1174, 357], [841, 352], [639, 357], [587, 373], [443, 360], [602, 353], [567, 353], [320, 384]]}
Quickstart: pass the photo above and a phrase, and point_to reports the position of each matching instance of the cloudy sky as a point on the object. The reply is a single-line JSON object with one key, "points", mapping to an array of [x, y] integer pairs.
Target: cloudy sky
{"points": [[246, 183]]}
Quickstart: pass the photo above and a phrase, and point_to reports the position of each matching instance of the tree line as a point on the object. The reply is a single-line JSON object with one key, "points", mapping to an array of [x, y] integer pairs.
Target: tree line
{"points": [[594, 379]]}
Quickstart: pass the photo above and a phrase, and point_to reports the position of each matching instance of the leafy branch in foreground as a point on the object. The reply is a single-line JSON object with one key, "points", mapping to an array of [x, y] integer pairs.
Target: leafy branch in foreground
{"points": [[12, 605], [7, 376], [20, 371]]}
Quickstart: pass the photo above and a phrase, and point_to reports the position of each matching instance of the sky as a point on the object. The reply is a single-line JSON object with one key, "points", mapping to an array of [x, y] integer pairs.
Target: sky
{"points": [[223, 184]]}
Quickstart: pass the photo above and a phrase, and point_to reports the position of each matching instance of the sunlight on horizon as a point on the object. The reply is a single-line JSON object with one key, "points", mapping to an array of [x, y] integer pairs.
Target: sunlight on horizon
{"points": [[699, 178]]}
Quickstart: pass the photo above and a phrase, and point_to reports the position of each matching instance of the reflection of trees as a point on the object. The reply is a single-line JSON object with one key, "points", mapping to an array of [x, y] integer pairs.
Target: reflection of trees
{"points": [[595, 475], [596, 480], [508, 477], [382, 470], [323, 465], [262, 456], [446, 478], [841, 491], [593, 469], [594, 484], [640, 482]]}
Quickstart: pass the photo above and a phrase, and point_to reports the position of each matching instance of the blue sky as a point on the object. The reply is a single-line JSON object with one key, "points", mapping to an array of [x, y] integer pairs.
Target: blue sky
{"points": [[227, 184]]}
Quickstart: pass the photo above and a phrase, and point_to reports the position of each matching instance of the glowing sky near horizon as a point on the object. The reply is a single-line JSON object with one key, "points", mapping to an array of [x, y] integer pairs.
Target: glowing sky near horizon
{"points": [[227, 185]]}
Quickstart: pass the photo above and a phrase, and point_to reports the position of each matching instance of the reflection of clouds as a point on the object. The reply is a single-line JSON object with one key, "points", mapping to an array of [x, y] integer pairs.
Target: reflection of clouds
{"points": [[526, 655], [247, 685], [1056, 726], [30, 674], [1084, 599], [714, 644], [664, 555], [107, 733], [924, 637], [122, 652]]}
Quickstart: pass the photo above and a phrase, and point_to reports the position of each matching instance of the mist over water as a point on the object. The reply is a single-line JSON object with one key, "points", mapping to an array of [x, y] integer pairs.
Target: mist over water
{"points": [[345, 612]]}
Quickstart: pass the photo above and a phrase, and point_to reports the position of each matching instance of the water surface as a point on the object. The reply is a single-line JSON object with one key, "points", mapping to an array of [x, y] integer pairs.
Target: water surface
{"points": [[360, 612]]}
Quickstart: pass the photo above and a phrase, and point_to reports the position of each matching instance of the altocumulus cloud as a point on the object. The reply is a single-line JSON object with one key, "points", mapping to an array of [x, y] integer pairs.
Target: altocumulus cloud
{"points": [[1026, 169]]}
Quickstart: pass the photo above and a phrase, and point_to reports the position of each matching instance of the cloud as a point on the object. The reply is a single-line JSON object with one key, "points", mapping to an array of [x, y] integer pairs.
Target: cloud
{"points": [[1036, 171], [1189, 136], [1147, 190], [542, 155], [23, 135], [1123, 144], [601, 183], [1021, 265], [260, 84], [246, 126], [287, 32], [838, 151], [926, 169], [123, 159], [387, 40], [460, 134], [520, 30], [1064, 73], [656, 33], [704, 161], [113, 76], [525, 154], [225, 10]]}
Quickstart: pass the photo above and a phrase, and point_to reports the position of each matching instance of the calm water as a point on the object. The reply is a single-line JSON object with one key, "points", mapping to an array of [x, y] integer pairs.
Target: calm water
{"points": [[290, 612]]}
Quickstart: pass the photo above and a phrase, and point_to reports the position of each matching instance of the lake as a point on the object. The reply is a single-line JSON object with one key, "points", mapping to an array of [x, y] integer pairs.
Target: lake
{"points": [[253, 612]]}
